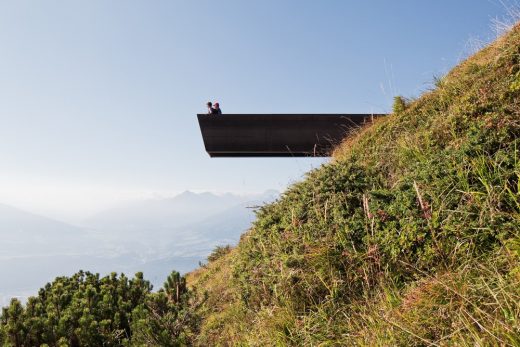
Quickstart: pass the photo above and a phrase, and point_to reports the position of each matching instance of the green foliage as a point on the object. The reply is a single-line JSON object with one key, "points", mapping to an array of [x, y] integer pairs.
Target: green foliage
{"points": [[2, 335], [81, 310], [515, 84], [167, 318], [219, 252], [399, 105], [88, 310], [175, 287]]}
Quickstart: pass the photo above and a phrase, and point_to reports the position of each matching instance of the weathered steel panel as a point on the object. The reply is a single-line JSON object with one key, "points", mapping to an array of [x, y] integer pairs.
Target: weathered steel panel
{"points": [[277, 135]]}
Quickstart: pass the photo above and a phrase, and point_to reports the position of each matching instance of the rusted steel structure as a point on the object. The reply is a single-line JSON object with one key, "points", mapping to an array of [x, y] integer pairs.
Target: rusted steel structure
{"points": [[277, 135]]}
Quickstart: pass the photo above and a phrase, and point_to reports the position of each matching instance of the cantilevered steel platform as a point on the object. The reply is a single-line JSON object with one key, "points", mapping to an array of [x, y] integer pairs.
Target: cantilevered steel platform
{"points": [[277, 135]]}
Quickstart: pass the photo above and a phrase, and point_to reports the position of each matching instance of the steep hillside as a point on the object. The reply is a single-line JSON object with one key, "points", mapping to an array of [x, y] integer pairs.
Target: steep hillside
{"points": [[410, 236]]}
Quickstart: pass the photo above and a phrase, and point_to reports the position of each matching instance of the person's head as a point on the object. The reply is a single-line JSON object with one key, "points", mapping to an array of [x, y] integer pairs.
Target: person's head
{"points": [[209, 104], [217, 105]]}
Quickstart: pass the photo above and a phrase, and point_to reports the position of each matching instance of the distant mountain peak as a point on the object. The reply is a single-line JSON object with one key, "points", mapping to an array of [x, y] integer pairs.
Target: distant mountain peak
{"points": [[186, 193]]}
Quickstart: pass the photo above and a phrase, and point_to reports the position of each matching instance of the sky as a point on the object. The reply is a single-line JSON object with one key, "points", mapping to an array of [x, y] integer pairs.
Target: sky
{"points": [[98, 99]]}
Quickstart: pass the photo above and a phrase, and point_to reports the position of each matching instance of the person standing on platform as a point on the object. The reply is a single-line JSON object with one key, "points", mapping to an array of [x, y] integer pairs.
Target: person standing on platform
{"points": [[211, 109], [217, 108]]}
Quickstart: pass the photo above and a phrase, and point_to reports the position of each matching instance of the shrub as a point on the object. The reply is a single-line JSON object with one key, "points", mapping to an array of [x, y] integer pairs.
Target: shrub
{"points": [[400, 105], [219, 252]]}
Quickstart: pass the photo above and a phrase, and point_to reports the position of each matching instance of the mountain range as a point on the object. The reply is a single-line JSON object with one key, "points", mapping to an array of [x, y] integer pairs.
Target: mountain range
{"points": [[154, 236]]}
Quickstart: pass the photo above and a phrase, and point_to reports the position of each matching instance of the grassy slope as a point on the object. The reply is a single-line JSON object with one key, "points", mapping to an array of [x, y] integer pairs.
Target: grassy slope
{"points": [[410, 236]]}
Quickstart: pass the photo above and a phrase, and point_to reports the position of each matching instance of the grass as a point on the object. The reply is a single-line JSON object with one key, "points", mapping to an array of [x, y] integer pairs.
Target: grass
{"points": [[408, 237]]}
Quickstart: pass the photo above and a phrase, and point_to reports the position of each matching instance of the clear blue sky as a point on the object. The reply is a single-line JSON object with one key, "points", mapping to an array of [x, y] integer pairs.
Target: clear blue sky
{"points": [[98, 98]]}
